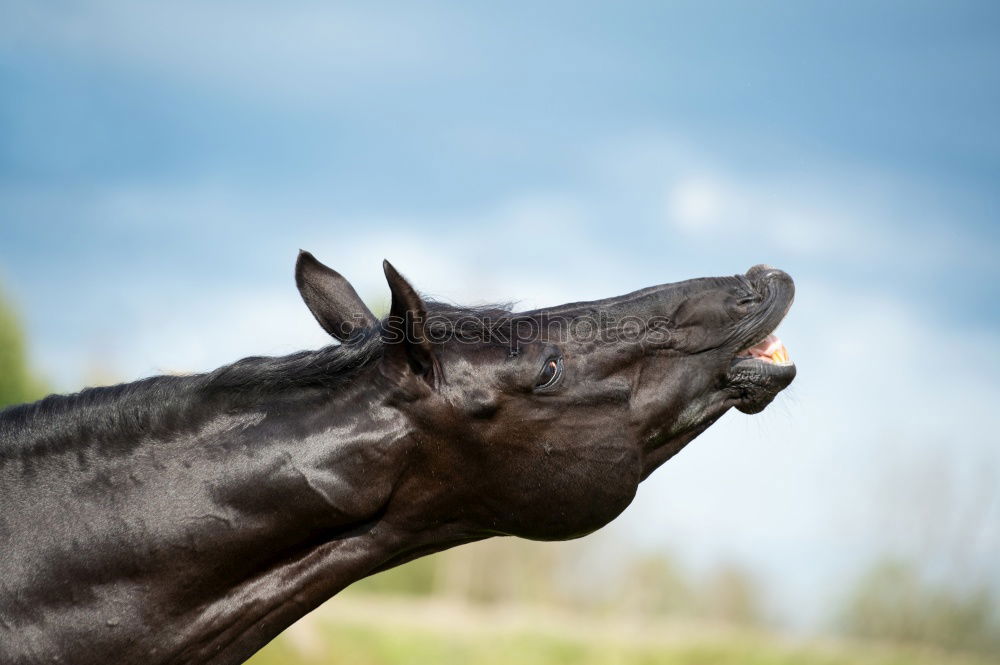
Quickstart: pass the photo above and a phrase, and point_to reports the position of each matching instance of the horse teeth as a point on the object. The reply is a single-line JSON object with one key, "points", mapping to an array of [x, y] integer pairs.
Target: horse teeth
{"points": [[771, 349]]}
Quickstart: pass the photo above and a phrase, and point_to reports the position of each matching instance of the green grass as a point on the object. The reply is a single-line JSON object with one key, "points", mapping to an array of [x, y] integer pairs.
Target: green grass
{"points": [[335, 640]]}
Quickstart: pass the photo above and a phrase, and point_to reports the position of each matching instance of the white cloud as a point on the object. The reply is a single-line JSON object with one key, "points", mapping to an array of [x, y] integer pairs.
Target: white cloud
{"points": [[696, 204], [847, 212], [798, 218]]}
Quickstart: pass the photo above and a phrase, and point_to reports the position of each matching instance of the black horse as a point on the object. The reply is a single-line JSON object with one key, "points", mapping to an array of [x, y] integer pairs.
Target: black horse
{"points": [[191, 519]]}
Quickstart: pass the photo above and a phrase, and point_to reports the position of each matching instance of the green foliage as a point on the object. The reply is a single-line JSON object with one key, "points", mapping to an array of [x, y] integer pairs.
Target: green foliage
{"points": [[654, 584], [731, 595], [892, 603], [324, 640], [17, 384], [513, 571], [416, 578], [498, 570]]}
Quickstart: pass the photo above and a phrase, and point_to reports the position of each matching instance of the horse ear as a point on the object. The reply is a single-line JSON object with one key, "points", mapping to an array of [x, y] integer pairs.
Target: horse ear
{"points": [[331, 299], [404, 333]]}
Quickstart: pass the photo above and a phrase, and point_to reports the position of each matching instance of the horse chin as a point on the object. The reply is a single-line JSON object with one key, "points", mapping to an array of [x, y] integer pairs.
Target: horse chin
{"points": [[758, 381]]}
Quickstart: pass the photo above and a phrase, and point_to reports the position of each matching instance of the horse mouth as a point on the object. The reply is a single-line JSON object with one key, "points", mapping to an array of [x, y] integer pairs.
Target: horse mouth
{"points": [[757, 374], [769, 350], [760, 371]]}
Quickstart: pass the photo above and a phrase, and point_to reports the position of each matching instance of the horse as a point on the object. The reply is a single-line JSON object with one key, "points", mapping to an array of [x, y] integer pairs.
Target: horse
{"points": [[190, 519]]}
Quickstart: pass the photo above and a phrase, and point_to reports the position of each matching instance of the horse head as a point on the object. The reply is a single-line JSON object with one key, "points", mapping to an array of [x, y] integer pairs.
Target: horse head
{"points": [[541, 424]]}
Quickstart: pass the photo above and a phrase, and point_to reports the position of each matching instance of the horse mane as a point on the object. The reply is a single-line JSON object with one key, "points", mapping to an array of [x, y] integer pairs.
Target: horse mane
{"points": [[336, 364], [488, 324], [328, 367], [151, 405]]}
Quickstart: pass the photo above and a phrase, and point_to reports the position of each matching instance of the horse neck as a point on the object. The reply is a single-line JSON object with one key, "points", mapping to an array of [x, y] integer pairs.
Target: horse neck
{"points": [[212, 518], [340, 505]]}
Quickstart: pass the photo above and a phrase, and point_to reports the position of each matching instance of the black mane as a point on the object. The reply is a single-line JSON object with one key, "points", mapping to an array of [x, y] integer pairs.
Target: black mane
{"points": [[487, 324], [328, 367], [152, 404]]}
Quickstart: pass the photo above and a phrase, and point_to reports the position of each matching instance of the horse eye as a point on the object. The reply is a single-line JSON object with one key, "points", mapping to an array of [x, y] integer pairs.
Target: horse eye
{"points": [[550, 373]]}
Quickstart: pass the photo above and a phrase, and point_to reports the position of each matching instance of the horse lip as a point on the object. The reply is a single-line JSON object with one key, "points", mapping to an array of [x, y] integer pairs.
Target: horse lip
{"points": [[778, 289], [779, 370]]}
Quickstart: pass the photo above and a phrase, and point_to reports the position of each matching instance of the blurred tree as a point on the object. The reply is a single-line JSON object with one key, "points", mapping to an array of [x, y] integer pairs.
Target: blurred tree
{"points": [[891, 602], [17, 384], [732, 595], [499, 570], [655, 584], [416, 578]]}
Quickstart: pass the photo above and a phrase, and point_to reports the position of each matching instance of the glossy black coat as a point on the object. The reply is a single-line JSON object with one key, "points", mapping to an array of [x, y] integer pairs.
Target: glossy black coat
{"points": [[191, 519]]}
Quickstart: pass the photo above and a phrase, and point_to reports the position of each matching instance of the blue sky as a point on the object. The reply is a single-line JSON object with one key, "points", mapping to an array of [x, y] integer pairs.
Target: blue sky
{"points": [[161, 163]]}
